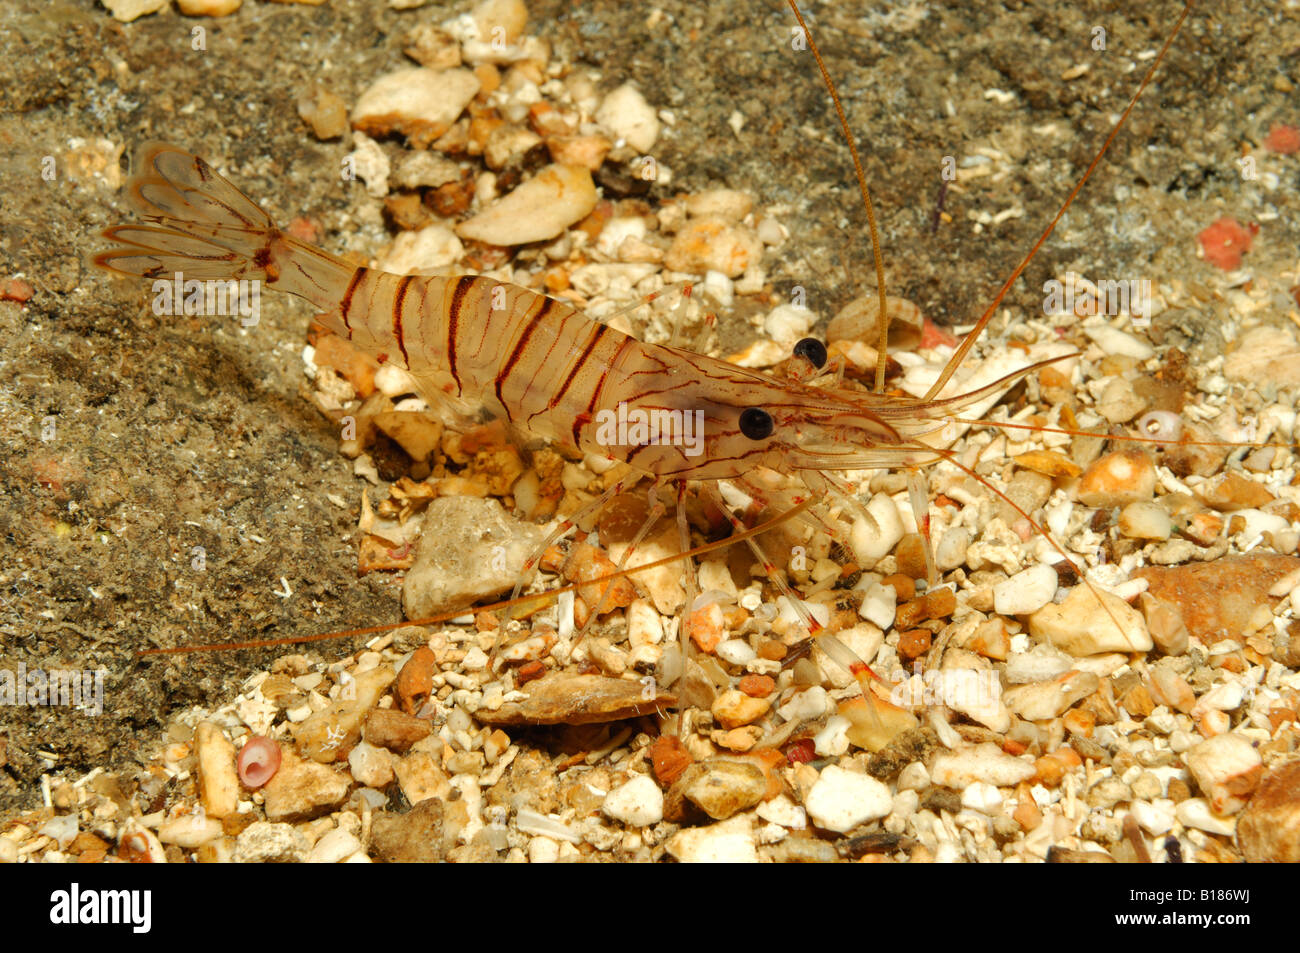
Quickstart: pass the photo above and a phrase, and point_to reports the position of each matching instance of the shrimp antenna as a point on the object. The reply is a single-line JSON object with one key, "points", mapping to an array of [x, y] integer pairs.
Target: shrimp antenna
{"points": [[882, 318]]}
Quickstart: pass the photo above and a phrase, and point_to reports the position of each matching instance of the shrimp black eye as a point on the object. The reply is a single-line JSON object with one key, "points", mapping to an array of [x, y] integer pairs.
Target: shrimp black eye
{"points": [[755, 424], [813, 351]]}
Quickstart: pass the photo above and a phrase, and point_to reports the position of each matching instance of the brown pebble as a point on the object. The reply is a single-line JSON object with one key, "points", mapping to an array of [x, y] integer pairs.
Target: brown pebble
{"points": [[940, 603], [669, 758], [1234, 492], [904, 587], [913, 643], [394, 730], [1217, 599], [910, 554], [772, 649], [757, 686], [415, 680], [909, 613], [1268, 829], [529, 671], [1137, 701]]}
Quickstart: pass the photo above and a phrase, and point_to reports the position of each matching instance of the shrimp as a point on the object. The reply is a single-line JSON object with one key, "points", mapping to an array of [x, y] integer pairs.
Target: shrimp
{"points": [[547, 369]]}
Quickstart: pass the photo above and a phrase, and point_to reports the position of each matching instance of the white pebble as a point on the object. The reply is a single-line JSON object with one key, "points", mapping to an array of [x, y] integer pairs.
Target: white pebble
{"points": [[914, 777], [986, 762], [62, 829], [1155, 817], [1026, 591], [638, 803], [1195, 812], [644, 624], [719, 287], [807, 705], [875, 537], [543, 850], [334, 847], [781, 810], [879, 605], [731, 842], [771, 232], [735, 651], [787, 323], [1116, 342], [833, 740], [421, 251], [627, 116], [982, 797], [841, 800]]}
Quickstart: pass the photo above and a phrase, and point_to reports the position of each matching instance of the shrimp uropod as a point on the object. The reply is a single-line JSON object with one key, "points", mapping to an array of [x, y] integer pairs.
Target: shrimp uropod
{"points": [[543, 366]]}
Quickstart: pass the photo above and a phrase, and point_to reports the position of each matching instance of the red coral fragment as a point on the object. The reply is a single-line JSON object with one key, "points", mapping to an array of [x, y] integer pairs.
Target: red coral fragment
{"points": [[1282, 139], [1224, 242]]}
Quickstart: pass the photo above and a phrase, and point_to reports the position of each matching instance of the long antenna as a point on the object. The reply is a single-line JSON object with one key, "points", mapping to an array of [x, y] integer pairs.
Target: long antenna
{"points": [[882, 319]]}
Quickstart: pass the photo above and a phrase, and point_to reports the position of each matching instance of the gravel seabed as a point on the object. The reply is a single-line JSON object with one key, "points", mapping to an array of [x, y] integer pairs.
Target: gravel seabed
{"points": [[198, 465]]}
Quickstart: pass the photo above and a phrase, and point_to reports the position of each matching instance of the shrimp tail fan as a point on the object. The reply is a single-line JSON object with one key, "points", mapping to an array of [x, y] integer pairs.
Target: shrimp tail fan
{"points": [[196, 223]]}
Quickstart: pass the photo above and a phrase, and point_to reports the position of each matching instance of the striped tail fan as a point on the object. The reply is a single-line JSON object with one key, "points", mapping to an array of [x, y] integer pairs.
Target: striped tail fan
{"points": [[197, 223]]}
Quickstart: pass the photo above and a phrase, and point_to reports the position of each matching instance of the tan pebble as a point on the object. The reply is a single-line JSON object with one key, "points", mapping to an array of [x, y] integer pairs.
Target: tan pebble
{"points": [[1145, 521], [729, 205], [1050, 769], [208, 8], [371, 766], [710, 244], [125, 11], [1080, 721], [1049, 699], [1165, 623], [329, 734], [1026, 814], [719, 787], [1233, 491], [189, 830], [1137, 701], [1049, 463], [738, 739], [734, 708], [415, 102], [875, 722], [627, 115], [1125, 476], [217, 775], [1171, 689], [324, 111], [1268, 830], [420, 777], [858, 321], [1204, 528], [586, 151], [1227, 769], [538, 210], [1081, 625], [1212, 722], [302, 790]]}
